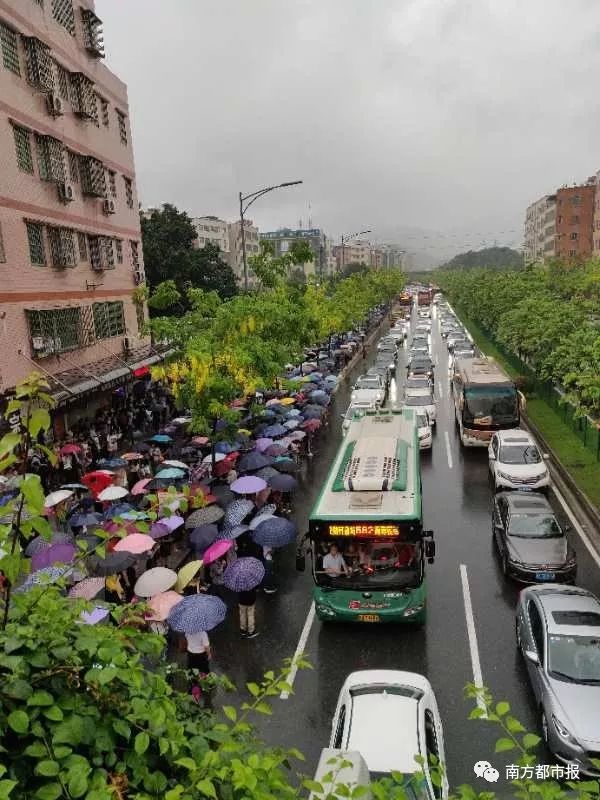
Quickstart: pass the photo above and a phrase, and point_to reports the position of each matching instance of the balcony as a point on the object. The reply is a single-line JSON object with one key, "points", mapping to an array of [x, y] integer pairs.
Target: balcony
{"points": [[93, 38]]}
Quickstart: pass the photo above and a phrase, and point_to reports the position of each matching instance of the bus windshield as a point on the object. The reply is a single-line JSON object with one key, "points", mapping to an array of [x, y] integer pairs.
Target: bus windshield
{"points": [[491, 404], [368, 565]]}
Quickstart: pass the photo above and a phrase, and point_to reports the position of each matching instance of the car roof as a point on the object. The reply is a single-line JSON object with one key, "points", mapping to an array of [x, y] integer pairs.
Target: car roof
{"points": [[562, 609], [522, 503], [384, 725], [516, 435]]}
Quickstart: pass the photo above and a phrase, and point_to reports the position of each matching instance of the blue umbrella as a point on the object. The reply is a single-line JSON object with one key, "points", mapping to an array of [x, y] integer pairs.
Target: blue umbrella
{"points": [[196, 613], [252, 461], [170, 473], [293, 412], [135, 515], [203, 536], [111, 463], [311, 413], [116, 510], [322, 399], [275, 430], [291, 424], [275, 532], [161, 438], [224, 447], [244, 574], [89, 518]]}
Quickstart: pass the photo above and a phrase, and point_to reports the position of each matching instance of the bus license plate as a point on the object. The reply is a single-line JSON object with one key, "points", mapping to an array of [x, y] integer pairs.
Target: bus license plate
{"points": [[368, 617], [544, 576]]}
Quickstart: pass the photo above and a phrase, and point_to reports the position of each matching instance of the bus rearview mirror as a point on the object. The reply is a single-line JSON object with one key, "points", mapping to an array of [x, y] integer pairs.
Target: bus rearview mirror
{"points": [[430, 551]]}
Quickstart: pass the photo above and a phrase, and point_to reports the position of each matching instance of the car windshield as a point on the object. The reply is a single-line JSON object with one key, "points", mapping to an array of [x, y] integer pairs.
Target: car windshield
{"points": [[367, 383], [368, 564], [420, 400], [488, 404], [575, 658], [418, 383], [534, 526], [519, 454]]}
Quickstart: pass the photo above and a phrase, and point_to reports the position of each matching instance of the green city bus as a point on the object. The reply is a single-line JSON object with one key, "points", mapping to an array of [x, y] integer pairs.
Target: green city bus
{"points": [[370, 513]]}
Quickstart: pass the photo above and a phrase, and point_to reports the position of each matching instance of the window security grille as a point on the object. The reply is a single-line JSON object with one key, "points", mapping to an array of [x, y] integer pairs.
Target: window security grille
{"points": [[83, 97], [39, 64], [82, 241], [35, 238], [2, 253], [135, 258], [93, 179], [55, 330], [10, 49], [129, 192], [62, 79], [109, 320], [23, 148], [51, 161], [101, 252], [122, 127], [62, 247], [93, 39], [62, 11]]}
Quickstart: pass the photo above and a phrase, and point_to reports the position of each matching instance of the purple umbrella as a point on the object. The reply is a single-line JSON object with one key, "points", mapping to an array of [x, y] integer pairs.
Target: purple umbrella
{"points": [[252, 461], [283, 483], [248, 484], [97, 614], [275, 430], [262, 444], [37, 545], [277, 449], [172, 523], [244, 574], [196, 613], [56, 554], [275, 532], [158, 530], [203, 536], [291, 424]]}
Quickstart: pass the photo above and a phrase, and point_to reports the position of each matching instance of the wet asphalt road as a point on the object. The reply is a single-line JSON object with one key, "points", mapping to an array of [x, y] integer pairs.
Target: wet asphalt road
{"points": [[457, 506]]}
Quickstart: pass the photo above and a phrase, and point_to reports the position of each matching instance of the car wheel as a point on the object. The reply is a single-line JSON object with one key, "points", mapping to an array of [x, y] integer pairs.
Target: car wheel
{"points": [[544, 726]]}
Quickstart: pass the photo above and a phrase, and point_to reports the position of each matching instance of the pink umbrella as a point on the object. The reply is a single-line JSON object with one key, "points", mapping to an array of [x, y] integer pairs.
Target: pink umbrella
{"points": [[262, 443], [140, 486], [88, 588], [216, 550], [161, 604], [135, 543], [69, 449], [200, 440], [311, 425]]}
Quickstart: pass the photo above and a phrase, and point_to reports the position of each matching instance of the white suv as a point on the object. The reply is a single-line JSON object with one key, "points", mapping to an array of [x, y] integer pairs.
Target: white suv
{"points": [[515, 462], [390, 717]]}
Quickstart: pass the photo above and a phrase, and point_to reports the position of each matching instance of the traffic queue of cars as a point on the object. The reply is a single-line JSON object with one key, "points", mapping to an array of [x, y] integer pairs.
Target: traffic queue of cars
{"points": [[557, 625]]}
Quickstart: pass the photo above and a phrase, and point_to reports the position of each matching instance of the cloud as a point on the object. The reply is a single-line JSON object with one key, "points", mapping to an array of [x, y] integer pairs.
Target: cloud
{"points": [[444, 115]]}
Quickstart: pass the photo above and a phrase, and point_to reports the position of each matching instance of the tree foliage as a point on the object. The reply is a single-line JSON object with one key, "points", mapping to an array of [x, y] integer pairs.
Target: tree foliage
{"points": [[547, 315], [494, 257], [271, 269]]}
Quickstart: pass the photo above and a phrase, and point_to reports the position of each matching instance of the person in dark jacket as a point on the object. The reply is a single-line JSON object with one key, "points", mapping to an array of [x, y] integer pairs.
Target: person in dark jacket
{"points": [[247, 608]]}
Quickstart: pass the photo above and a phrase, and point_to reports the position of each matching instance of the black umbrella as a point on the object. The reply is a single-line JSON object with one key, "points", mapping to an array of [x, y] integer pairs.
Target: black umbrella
{"points": [[223, 494], [253, 460], [114, 562], [203, 536], [286, 465]]}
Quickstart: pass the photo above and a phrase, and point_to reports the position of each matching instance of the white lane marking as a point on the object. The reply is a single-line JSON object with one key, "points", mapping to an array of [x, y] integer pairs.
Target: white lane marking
{"points": [[582, 534], [310, 618], [448, 450], [440, 390], [472, 634]]}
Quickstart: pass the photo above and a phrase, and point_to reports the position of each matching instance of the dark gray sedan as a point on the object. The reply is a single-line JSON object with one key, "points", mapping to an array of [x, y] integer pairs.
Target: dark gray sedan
{"points": [[533, 547], [558, 634]]}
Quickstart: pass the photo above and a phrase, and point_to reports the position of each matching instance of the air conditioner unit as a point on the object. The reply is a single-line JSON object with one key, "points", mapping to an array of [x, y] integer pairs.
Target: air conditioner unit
{"points": [[66, 192], [108, 206], [55, 105], [138, 277], [38, 343]]}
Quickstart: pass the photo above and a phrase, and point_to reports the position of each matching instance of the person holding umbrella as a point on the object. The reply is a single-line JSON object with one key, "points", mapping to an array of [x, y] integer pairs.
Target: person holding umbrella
{"points": [[243, 576]]}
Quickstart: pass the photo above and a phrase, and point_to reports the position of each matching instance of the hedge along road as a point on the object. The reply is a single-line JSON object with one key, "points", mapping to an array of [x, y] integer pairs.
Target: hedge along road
{"points": [[469, 633]]}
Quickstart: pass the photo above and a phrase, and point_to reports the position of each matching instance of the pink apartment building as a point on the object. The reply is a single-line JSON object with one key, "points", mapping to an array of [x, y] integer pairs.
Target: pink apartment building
{"points": [[70, 242]]}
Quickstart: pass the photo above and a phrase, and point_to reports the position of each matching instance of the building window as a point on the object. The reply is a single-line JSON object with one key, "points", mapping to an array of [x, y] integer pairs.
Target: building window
{"points": [[83, 96], [35, 237], [23, 147], [51, 161], [122, 126], [62, 247], [55, 331], [128, 191], [104, 112], [82, 246], [2, 253], [62, 78], [93, 178], [92, 33], [575, 219], [73, 166], [119, 247], [10, 49], [574, 236], [141, 318], [62, 11], [135, 257], [101, 252], [39, 64], [112, 181], [109, 320], [576, 200]]}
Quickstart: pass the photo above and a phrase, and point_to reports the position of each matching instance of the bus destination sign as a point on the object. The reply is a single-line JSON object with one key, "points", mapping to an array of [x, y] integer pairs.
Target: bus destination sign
{"points": [[363, 530]]}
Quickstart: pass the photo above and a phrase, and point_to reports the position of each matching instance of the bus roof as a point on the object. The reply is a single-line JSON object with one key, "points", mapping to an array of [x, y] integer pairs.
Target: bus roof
{"points": [[375, 474], [483, 371]]}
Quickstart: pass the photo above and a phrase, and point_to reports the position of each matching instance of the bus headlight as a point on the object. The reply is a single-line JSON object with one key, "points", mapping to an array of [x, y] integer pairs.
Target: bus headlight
{"points": [[326, 611], [410, 612]]}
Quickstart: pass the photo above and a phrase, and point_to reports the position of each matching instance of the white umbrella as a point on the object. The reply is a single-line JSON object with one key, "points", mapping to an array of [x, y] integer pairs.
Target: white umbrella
{"points": [[112, 493], [176, 464], [154, 581], [54, 498], [218, 457]]}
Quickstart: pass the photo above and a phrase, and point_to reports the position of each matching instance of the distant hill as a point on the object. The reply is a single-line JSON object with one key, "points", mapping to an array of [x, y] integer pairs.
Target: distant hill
{"points": [[493, 257]]}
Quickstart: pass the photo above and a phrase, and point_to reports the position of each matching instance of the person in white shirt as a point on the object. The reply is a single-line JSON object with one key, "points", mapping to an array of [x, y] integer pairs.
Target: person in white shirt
{"points": [[333, 562], [198, 648]]}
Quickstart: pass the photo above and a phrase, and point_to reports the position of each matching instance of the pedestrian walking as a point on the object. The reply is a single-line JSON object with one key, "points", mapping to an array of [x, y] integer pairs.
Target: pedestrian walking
{"points": [[247, 609], [269, 585], [199, 652]]}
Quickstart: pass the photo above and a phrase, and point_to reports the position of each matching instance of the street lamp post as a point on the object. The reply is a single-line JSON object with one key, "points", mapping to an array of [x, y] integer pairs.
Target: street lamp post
{"points": [[345, 238], [252, 197]]}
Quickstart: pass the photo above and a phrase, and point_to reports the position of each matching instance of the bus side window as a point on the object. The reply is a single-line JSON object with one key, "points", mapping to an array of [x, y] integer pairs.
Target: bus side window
{"points": [[339, 731]]}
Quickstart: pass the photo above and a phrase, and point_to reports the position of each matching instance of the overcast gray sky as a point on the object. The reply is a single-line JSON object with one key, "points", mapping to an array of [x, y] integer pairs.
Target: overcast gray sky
{"points": [[410, 117]]}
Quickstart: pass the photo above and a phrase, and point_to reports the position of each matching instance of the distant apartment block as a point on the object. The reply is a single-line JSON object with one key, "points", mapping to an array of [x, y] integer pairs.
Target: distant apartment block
{"points": [[235, 258], [70, 242], [314, 237], [540, 229], [575, 220], [596, 231], [355, 252], [212, 230]]}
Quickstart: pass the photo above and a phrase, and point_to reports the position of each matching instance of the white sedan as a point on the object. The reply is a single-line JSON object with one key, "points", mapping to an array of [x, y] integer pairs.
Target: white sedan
{"points": [[421, 401], [515, 462], [390, 717], [424, 431]]}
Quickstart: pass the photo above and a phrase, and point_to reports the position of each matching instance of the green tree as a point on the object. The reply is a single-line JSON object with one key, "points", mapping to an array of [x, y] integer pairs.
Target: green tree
{"points": [[167, 237], [270, 269], [210, 272], [494, 257]]}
